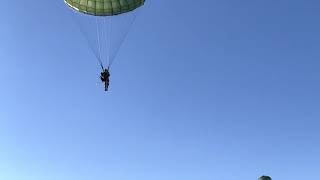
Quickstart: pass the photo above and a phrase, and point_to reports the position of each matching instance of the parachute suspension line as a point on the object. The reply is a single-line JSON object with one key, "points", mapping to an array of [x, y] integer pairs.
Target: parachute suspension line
{"points": [[109, 39], [124, 38], [99, 47], [73, 15], [104, 39]]}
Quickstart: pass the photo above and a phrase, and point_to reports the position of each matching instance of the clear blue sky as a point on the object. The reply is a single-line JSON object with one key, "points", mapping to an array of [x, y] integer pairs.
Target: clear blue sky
{"points": [[201, 90]]}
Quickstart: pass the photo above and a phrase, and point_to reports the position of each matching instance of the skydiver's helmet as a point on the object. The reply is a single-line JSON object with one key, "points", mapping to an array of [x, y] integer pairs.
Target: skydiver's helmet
{"points": [[265, 178]]}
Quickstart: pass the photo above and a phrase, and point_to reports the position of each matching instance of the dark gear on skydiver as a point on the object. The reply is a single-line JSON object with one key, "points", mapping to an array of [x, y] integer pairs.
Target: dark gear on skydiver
{"points": [[104, 76]]}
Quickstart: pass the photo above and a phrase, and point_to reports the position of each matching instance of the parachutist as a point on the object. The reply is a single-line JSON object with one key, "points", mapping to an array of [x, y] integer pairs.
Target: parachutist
{"points": [[102, 18], [104, 76]]}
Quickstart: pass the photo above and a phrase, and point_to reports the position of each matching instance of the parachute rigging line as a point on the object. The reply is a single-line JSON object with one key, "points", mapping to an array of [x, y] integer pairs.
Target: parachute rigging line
{"points": [[99, 48], [109, 41], [124, 38], [73, 16]]}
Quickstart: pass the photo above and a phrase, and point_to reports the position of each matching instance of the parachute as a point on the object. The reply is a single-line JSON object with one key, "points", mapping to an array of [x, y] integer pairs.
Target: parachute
{"points": [[265, 178], [105, 25]]}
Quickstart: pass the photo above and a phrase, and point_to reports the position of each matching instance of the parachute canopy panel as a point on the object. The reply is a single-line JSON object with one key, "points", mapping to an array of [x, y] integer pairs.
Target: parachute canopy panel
{"points": [[104, 7]]}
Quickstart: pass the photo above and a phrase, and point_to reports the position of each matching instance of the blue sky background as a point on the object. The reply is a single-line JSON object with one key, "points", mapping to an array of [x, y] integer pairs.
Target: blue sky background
{"points": [[201, 90]]}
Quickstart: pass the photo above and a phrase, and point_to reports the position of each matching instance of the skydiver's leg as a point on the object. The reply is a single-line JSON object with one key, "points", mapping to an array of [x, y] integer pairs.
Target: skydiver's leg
{"points": [[105, 86]]}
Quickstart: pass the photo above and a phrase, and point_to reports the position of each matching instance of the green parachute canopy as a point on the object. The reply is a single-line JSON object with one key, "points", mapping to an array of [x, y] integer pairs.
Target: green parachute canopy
{"points": [[104, 7], [265, 178]]}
